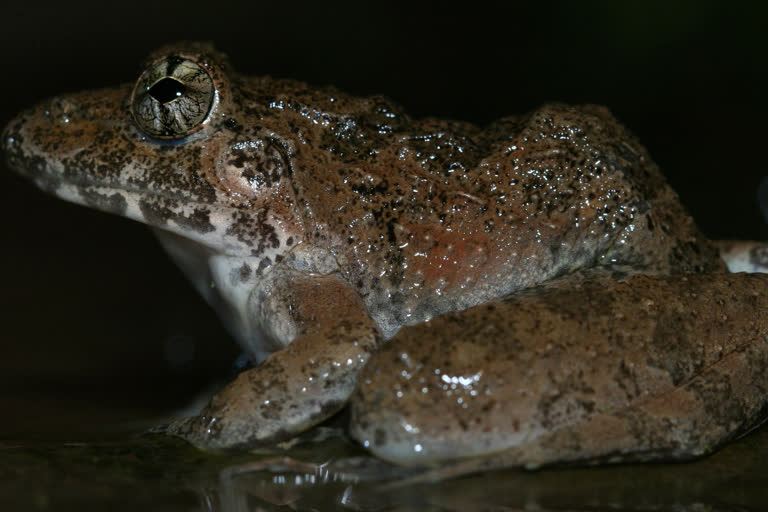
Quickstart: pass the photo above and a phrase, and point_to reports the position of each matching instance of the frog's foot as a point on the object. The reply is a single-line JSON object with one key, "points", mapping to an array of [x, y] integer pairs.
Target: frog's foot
{"points": [[294, 389], [589, 370], [744, 255]]}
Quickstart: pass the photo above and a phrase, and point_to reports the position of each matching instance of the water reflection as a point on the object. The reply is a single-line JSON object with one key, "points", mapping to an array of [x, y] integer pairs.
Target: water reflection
{"points": [[157, 473]]}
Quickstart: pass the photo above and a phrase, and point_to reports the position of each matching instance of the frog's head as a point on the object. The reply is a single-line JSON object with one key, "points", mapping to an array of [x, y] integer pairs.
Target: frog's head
{"points": [[171, 150]]}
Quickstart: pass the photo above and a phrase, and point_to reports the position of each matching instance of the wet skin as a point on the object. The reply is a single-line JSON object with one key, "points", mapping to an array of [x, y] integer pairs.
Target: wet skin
{"points": [[523, 294]]}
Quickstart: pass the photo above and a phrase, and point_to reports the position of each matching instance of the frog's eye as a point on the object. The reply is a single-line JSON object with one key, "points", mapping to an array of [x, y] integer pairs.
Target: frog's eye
{"points": [[172, 98]]}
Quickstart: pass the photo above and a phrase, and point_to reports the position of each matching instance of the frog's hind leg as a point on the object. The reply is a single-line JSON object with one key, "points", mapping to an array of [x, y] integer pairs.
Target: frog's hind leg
{"points": [[587, 370], [677, 426]]}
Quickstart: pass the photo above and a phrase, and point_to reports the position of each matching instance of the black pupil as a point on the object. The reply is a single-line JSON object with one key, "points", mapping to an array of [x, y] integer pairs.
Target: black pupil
{"points": [[167, 90]]}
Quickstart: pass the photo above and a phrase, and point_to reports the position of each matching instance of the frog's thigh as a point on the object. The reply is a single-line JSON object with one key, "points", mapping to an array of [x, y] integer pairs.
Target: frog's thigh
{"points": [[298, 386], [646, 368]]}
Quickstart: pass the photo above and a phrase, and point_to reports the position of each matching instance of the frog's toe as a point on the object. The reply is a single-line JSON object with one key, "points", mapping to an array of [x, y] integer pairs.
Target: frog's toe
{"points": [[223, 431], [217, 433], [230, 425], [266, 405], [210, 433]]}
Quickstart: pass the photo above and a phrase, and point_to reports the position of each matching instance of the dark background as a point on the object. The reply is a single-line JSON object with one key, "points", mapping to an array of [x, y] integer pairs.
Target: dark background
{"points": [[98, 324]]}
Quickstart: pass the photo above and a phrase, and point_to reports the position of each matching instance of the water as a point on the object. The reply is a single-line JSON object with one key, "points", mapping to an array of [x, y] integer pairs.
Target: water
{"points": [[159, 473]]}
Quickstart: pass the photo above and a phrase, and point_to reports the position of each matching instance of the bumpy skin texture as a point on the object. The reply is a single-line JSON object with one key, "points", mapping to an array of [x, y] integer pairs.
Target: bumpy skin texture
{"points": [[328, 222], [592, 366], [421, 217]]}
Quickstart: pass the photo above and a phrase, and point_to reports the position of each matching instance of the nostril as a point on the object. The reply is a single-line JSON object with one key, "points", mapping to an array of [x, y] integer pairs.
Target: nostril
{"points": [[61, 109], [9, 140]]}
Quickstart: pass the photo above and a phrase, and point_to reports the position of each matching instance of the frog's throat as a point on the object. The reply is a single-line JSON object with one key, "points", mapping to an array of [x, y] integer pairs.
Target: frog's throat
{"points": [[226, 282], [207, 224]]}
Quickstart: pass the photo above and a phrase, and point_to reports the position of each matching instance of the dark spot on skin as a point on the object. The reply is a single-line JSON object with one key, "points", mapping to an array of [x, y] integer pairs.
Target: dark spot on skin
{"points": [[158, 214], [233, 125], [253, 230], [263, 161], [245, 272], [264, 263], [112, 203], [155, 215], [199, 221], [239, 158]]}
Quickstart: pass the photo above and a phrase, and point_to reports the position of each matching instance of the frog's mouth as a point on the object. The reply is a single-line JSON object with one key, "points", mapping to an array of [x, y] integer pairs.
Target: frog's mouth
{"points": [[128, 192], [210, 240], [198, 222]]}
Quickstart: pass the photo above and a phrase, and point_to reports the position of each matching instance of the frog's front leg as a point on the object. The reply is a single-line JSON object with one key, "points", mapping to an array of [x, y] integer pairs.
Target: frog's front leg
{"points": [[300, 385]]}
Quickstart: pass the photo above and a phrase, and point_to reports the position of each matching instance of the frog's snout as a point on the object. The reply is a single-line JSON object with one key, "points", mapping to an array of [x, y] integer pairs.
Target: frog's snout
{"points": [[32, 141], [11, 143], [39, 137], [60, 110]]}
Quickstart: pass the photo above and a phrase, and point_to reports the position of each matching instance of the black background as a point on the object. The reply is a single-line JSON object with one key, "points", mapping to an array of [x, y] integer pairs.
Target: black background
{"points": [[91, 307]]}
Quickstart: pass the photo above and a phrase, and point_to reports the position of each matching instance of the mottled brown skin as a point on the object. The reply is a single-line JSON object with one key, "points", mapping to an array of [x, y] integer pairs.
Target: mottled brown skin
{"points": [[333, 340], [328, 222], [594, 366]]}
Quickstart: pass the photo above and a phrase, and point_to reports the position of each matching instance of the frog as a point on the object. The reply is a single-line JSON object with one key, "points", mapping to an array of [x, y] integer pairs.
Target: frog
{"points": [[527, 293]]}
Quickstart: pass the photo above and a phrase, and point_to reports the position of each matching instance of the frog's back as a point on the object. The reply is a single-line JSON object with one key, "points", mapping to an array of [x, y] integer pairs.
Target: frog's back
{"points": [[431, 216]]}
